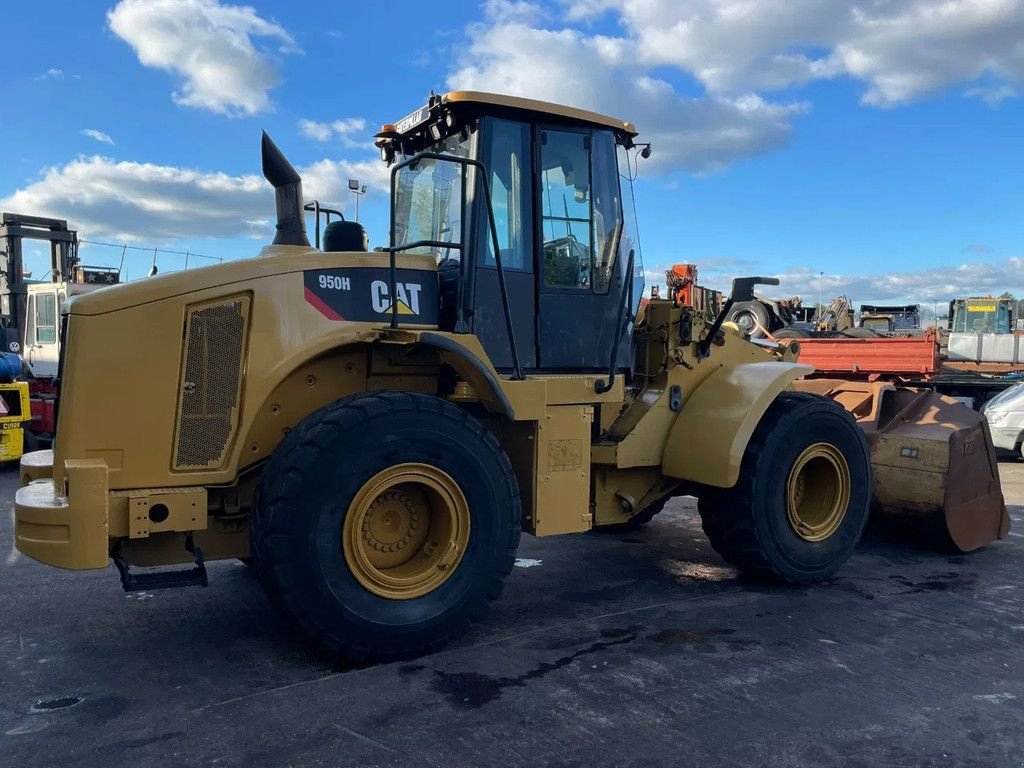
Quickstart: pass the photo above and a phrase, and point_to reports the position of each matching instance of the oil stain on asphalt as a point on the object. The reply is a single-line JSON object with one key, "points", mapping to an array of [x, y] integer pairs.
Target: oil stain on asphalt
{"points": [[472, 689]]}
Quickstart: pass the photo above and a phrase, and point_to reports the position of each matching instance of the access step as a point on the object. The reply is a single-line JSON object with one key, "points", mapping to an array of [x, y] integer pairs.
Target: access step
{"points": [[147, 582]]}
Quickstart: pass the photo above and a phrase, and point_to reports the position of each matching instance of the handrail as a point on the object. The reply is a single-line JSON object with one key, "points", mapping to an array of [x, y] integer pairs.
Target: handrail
{"points": [[601, 386], [464, 164], [316, 209]]}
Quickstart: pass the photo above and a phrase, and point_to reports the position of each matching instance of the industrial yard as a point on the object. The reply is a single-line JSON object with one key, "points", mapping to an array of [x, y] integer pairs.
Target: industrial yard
{"points": [[512, 383], [601, 643]]}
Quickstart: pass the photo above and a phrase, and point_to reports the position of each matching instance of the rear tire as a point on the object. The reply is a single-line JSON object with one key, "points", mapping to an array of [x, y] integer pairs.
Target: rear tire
{"points": [[769, 524], [344, 493]]}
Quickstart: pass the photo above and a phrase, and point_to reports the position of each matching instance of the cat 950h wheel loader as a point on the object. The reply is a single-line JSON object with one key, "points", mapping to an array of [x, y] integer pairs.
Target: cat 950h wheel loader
{"points": [[374, 429]]}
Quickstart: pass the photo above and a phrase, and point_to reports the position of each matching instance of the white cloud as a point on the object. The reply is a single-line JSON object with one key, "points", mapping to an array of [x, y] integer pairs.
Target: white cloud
{"points": [[316, 131], [940, 282], [344, 130], [902, 49], [51, 74], [598, 73], [150, 203], [99, 136], [513, 11], [992, 95], [213, 47]]}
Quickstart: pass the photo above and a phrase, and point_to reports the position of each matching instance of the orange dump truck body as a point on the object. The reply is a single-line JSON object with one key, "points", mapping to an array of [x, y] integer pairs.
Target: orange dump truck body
{"points": [[883, 357]]}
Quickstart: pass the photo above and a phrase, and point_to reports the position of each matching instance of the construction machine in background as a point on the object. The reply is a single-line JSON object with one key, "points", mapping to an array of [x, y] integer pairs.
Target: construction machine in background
{"points": [[891, 320], [683, 288], [30, 309], [375, 430], [760, 316]]}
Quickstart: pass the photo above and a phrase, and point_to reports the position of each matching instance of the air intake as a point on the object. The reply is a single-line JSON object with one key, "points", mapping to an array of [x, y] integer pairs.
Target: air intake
{"points": [[211, 382]]}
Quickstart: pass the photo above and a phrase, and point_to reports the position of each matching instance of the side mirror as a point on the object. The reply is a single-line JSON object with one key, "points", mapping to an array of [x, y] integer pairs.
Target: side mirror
{"points": [[743, 287]]}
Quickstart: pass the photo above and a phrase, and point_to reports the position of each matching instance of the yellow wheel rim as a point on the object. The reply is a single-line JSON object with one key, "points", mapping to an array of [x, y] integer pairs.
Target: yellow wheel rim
{"points": [[818, 492], [405, 531]]}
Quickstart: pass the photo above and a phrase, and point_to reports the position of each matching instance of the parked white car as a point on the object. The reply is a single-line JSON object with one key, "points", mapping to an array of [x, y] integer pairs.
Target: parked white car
{"points": [[1005, 414]]}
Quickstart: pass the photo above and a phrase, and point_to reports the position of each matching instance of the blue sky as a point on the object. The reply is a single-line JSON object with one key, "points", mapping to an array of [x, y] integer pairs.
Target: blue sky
{"points": [[877, 142]]}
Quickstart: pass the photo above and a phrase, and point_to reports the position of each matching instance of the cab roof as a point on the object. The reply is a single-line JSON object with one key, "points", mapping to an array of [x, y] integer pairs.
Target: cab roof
{"points": [[480, 103], [532, 108]]}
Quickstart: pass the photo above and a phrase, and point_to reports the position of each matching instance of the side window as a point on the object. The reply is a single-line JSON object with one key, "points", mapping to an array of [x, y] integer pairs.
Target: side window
{"points": [[566, 211], [30, 320], [508, 160], [46, 318], [630, 239], [607, 210]]}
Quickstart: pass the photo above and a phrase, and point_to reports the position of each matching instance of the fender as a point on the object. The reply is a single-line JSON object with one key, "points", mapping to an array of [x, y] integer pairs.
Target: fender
{"points": [[471, 367], [709, 437]]}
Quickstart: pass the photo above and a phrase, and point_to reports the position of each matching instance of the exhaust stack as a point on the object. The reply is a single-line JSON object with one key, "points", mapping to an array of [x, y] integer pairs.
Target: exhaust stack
{"points": [[291, 224]]}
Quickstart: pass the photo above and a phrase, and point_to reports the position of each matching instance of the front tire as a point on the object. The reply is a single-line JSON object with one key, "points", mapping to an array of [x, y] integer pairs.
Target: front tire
{"points": [[385, 523], [803, 495]]}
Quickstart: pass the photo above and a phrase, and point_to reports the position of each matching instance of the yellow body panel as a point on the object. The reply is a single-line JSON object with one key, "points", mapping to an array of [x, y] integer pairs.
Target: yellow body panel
{"points": [[117, 457], [707, 442], [49, 527]]}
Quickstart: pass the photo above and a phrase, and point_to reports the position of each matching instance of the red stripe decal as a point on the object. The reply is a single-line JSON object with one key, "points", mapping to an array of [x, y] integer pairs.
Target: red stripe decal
{"points": [[319, 303]]}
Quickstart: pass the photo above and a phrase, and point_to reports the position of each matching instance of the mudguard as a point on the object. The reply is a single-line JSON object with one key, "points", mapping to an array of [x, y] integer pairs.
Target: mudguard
{"points": [[709, 437]]}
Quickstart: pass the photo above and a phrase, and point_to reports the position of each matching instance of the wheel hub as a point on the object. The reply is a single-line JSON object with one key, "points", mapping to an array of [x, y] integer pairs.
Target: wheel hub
{"points": [[818, 492], [405, 531], [390, 522]]}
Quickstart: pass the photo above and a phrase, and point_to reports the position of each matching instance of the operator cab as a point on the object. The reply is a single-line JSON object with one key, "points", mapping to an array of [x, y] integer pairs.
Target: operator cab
{"points": [[543, 182]]}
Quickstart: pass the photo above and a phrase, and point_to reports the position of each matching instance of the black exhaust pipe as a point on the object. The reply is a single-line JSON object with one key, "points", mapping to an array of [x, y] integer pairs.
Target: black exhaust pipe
{"points": [[291, 224]]}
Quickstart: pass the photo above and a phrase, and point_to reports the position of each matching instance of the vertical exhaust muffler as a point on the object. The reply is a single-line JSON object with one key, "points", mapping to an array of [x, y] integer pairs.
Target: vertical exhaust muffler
{"points": [[291, 224]]}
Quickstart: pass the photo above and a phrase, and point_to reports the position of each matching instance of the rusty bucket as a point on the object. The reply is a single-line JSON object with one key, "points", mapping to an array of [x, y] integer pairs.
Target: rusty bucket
{"points": [[933, 459]]}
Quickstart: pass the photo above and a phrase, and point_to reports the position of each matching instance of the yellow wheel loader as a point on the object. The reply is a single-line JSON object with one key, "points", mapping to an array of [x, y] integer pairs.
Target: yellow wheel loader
{"points": [[375, 429]]}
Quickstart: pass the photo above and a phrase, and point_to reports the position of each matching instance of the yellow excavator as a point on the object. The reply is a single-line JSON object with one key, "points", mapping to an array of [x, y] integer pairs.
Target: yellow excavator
{"points": [[373, 430]]}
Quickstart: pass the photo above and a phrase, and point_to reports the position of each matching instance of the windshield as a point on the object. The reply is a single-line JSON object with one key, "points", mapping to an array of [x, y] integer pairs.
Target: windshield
{"points": [[985, 316], [428, 200], [1005, 398]]}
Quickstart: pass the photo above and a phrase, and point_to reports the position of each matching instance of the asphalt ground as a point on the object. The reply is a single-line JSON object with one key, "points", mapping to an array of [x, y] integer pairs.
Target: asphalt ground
{"points": [[639, 649]]}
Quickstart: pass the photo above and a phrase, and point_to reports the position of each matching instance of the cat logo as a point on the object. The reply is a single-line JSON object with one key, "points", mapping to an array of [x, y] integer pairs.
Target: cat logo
{"points": [[408, 297]]}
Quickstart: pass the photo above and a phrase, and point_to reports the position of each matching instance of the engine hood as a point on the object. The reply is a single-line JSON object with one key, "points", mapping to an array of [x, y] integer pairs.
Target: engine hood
{"points": [[272, 260]]}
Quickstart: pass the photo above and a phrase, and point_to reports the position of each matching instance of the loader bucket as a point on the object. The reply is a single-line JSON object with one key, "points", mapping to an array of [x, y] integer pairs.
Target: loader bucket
{"points": [[933, 459]]}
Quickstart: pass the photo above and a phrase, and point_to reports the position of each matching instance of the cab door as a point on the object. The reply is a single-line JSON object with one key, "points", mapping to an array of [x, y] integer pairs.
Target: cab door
{"points": [[41, 334], [506, 153], [578, 266]]}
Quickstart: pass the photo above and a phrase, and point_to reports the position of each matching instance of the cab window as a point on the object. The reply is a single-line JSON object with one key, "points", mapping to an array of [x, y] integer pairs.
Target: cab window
{"points": [[428, 200], [565, 203], [30, 321], [508, 152], [581, 209], [46, 318]]}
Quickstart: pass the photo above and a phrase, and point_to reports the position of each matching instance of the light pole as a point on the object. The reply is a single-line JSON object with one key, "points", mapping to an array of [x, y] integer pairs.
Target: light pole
{"points": [[358, 191], [821, 277]]}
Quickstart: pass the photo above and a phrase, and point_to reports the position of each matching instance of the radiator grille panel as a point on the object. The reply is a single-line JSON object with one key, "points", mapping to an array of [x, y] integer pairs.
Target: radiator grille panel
{"points": [[211, 381]]}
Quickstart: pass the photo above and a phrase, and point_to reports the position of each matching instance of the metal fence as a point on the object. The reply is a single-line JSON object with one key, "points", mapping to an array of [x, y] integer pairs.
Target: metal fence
{"points": [[135, 262]]}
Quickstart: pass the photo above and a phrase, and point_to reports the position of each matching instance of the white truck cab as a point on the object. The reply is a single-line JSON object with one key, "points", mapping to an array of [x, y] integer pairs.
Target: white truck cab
{"points": [[42, 324]]}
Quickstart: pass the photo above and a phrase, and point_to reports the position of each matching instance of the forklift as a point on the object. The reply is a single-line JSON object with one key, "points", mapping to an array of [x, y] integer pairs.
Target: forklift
{"points": [[30, 309]]}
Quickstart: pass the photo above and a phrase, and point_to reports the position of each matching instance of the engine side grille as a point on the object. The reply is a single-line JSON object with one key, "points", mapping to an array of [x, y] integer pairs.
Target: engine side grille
{"points": [[211, 382]]}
